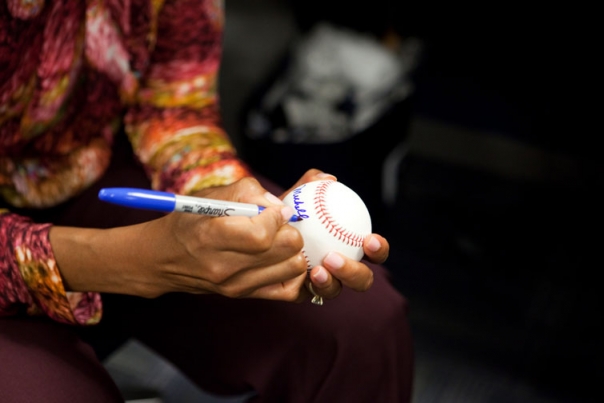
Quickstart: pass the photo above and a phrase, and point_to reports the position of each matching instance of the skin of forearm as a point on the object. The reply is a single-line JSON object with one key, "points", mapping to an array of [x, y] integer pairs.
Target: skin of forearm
{"points": [[101, 260]]}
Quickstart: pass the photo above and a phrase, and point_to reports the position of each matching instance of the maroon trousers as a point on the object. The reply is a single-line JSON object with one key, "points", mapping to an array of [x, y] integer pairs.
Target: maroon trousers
{"points": [[356, 348]]}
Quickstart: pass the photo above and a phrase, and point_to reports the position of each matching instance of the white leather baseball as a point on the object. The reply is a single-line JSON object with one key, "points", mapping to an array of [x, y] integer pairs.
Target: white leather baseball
{"points": [[334, 218]]}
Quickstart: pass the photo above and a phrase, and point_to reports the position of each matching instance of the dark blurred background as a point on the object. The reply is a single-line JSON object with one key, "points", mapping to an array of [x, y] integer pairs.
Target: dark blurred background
{"points": [[485, 178]]}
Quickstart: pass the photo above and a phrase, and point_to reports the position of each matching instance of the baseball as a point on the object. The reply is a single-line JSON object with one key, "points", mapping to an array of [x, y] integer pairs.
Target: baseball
{"points": [[334, 219]]}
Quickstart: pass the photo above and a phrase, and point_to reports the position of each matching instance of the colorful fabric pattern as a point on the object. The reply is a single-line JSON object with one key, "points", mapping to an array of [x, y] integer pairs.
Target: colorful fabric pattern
{"points": [[72, 73], [30, 279]]}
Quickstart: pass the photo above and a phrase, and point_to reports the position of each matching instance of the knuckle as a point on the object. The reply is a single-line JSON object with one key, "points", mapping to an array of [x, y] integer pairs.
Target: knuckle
{"points": [[150, 293], [248, 184], [233, 291], [299, 263], [291, 236], [292, 295], [312, 172], [368, 282], [217, 275], [261, 239], [359, 280]]}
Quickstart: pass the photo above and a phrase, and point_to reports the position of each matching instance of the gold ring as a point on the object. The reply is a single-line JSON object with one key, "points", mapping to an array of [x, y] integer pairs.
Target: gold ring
{"points": [[316, 299]]}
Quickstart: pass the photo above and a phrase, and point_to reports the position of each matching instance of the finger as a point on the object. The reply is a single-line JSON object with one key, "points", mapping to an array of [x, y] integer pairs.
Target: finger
{"points": [[239, 191], [246, 283], [291, 290], [351, 273], [311, 175], [376, 248], [245, 190], [324, 284], [281, 272], [236, 282], [254, 235]]}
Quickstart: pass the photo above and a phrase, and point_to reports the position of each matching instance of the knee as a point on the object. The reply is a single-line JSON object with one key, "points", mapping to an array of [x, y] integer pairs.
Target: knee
{"points": [[47, 362]]}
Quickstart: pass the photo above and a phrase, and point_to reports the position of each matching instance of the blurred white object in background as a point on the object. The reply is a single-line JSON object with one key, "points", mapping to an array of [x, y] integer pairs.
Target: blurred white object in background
{"points": [[338, 82]]}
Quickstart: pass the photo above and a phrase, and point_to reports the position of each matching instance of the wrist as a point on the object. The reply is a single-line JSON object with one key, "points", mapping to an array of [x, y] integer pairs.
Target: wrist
{"points": [[97, 260]]}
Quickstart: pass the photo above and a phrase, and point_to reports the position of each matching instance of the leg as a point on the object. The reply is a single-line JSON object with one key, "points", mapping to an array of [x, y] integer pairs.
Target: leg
{"points": [[42, 361], [282, 351], [356, 348], [46, 362]]}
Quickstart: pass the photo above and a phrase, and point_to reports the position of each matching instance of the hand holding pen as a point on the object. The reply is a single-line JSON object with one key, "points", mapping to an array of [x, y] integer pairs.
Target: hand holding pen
{"points": [[258, 258], [237, 257]]}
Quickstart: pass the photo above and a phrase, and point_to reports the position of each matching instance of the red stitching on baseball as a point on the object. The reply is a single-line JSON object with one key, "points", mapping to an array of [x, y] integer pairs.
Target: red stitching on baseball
{"points": [[333, 227], [308, 266]]}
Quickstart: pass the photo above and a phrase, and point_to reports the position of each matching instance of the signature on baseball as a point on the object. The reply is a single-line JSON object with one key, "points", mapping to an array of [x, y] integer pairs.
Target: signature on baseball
{"points": [[298, 203]]}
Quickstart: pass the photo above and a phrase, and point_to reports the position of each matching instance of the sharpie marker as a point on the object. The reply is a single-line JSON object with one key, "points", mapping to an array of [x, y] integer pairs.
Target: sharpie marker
{"points": [[170, 202]]}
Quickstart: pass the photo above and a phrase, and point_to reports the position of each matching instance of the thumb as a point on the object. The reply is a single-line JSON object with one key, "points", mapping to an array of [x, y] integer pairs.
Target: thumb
{"points": [[278, 215]]}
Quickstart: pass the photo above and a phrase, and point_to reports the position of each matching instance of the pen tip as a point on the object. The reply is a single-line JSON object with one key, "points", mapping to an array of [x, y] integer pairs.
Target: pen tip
{"points": [[297, 218]]}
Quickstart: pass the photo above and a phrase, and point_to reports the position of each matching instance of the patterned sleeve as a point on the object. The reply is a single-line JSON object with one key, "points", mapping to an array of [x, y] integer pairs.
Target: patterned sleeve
{"points": [[174, 125], [30, 282]]}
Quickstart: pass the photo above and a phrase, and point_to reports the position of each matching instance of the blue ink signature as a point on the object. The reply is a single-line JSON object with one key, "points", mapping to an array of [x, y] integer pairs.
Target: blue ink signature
{"points": [[301, 212]]}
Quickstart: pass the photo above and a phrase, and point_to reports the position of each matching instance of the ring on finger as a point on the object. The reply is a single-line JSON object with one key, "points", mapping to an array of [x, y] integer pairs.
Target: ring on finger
{"points": [[316, 299]]}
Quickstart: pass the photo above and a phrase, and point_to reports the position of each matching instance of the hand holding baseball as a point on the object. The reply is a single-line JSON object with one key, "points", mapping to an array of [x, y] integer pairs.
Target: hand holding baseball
{"points": [[339, 269]]}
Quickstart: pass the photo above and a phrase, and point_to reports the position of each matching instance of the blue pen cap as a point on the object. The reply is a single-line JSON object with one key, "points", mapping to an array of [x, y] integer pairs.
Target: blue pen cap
{"points": [[139, 198]]}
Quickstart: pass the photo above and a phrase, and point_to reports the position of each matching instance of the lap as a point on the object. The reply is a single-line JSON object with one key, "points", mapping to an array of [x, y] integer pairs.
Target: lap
{"points": [[43, 361], [358, 343], [282, 350], [229, 346]]}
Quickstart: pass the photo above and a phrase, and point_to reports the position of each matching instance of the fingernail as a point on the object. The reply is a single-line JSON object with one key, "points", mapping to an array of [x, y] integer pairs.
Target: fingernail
{"points": [[373, 244], [272, 198], [334, 260], [324, 175], [320, 275], [287, 212]]}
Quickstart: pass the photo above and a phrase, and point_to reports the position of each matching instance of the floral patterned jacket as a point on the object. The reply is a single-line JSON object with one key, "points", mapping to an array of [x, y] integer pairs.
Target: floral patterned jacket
{"points": [[71, 73]]}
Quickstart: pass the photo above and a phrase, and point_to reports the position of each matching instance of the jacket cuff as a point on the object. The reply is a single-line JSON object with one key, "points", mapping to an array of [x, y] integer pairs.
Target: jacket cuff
{"points": [[33, 281]]}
